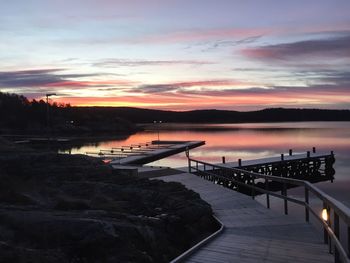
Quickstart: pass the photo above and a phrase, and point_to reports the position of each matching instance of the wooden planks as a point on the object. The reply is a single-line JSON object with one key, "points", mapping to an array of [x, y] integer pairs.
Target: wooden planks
{"points": [[165, 149], [252, 232]]}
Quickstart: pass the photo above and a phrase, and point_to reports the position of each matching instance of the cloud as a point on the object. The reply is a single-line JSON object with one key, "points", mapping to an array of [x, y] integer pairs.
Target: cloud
{"points": [[280, 90], [41, 78], [137, 63], [321, 96], [337, 78], [28, 77], [212, 45], [37, 77], [196, 35], [331, 82], [336, 47], [179, 86]]}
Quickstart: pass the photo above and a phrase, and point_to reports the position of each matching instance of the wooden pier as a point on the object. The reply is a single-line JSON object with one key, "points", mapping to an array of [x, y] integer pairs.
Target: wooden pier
{"points": [[251, 233], [299, 166], [154, 151], [223, 176], [313, 167]]}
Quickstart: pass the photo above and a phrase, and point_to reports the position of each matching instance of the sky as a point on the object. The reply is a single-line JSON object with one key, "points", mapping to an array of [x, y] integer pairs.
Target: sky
{"points": [[178, 55]]}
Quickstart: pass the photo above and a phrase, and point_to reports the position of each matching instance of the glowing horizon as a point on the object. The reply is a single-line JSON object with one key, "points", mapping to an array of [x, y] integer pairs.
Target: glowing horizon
{"points": [[181, 55]]}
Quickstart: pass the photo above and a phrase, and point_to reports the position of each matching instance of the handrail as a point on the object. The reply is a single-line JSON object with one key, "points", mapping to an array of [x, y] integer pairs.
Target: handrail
{"points": [[201, 243], [342, 210], [331, 236]]}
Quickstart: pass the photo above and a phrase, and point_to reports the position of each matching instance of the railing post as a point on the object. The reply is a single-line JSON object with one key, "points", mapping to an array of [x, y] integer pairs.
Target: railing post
{"points": [[336, 232], [189, 165], [284, 192], [290, 152], [348, 241], [223, 159], [314, 149], [307, 204], [308, 154], [253, 190], [282, 157], [330, 225], [239, 162], [267, 194]]}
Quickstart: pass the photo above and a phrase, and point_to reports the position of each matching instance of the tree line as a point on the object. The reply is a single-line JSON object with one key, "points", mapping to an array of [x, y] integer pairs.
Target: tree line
{"points": [[18, 114], [22, 115]]}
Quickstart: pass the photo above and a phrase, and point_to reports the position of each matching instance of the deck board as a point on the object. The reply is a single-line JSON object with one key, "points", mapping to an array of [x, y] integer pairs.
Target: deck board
{"points": [[252, 232]]}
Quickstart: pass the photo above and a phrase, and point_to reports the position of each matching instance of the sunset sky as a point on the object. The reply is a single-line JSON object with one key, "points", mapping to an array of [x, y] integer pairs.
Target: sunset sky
{"points": [[178, 55]]}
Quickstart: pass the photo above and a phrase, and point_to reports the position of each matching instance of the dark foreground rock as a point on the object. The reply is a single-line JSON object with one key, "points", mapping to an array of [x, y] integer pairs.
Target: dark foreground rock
{"points": [[61, 208]]}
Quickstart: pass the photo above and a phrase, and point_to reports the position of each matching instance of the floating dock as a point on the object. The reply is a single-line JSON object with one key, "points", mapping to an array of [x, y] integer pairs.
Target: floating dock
{"points": [[154, 151], [311, 166]]}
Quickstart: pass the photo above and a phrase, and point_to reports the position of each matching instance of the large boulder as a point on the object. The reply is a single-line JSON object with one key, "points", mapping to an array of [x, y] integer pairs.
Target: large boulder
{"points": [[71, 208]]}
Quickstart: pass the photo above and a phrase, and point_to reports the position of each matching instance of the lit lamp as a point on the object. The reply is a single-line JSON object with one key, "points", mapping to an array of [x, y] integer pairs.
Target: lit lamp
{"points": [[325, 214]]}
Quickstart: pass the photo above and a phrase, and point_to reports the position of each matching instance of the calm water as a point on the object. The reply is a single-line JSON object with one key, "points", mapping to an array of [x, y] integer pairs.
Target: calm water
{"points": [[250, 141]]}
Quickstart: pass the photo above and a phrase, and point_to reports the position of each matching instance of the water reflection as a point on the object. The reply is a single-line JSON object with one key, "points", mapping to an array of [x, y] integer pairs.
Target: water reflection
{"points": [[250, 141]]}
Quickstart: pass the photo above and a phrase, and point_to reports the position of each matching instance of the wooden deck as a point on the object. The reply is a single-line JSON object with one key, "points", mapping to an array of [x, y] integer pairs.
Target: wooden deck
{"points": [[156, 151], [252, 232]]}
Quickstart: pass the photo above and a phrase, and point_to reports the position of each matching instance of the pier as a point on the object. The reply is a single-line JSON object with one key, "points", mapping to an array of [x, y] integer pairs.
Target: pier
{"points": [[145, 153], [310, 166], [251, 232], [257, 234]]}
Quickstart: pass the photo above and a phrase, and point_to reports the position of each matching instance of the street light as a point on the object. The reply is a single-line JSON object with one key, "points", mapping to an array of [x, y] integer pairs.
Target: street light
{"points": [[48, 108], [155, 123]]}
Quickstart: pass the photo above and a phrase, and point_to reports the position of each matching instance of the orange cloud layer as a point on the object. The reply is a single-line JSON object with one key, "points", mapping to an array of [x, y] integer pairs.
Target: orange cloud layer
{"points": [[187, 102]]}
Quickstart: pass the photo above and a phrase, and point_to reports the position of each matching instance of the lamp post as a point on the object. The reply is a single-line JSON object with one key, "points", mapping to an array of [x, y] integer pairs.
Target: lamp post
{"points": [[157, 126], [48, 108]]}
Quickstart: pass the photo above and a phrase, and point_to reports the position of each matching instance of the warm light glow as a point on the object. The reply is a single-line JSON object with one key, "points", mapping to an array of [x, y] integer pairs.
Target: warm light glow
{"points": [[325, 214]]}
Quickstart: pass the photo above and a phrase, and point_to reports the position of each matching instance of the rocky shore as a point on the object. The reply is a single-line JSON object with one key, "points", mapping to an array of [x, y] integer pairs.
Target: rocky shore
{"points": [[65, 208]]}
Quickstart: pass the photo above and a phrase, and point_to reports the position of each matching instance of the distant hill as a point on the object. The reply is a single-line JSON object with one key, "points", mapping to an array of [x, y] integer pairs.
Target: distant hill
{"points": [[137, 115], [18, 114]]}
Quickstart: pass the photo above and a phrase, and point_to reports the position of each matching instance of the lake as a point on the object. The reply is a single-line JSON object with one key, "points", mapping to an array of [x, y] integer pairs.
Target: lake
{"points": [[251, 141]]}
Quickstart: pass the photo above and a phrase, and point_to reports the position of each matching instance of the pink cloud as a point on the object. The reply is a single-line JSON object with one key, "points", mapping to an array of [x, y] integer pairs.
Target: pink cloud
{"points": [[229, 100], [334, 47]]}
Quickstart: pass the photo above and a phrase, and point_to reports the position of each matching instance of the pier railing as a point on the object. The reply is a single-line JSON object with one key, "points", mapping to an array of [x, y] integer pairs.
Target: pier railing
{"points": [[235, 179]]}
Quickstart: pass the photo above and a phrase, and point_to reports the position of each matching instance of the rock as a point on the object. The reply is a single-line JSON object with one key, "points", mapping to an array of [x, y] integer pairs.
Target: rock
{"points": [[66, 208]]}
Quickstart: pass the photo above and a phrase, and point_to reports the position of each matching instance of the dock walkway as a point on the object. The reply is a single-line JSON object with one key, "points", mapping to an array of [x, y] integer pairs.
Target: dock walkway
{"points": [[156, 151], [252, 232]]}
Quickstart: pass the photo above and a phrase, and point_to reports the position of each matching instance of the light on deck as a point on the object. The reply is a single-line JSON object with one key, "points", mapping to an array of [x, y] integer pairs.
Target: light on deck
{"points": [[325, 214]]}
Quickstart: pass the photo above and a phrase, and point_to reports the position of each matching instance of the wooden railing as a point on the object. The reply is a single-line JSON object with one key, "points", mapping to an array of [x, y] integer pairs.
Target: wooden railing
{"points": [[235, 178]]}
